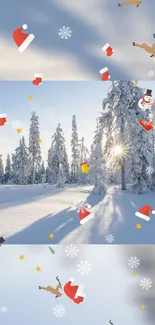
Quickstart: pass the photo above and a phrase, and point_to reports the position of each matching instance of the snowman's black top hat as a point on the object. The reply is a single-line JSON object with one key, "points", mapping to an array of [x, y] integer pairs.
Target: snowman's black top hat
{"points": [[148, 92]]}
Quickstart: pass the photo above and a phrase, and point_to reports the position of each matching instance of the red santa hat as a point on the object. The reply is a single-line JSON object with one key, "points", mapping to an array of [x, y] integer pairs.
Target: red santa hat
{"points": [[108, 49], [105, 74], [74, 292], [2, 119], [144, 212], [84, 214], [22, 40]]}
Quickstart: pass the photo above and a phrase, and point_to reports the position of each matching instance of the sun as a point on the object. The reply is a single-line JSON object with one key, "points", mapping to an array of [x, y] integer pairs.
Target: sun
{"points": [[119, 151]]}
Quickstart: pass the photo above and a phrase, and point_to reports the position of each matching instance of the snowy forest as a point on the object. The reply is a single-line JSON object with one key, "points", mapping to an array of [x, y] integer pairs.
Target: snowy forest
{"points": [[121, 151]]}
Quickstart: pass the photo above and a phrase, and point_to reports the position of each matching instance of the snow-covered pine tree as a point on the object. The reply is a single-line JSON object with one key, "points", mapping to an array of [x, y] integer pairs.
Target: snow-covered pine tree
{"points": [[20, 164], [84, 157], [91, 176], [98, 167], [140, 149], [1, 171], [106, 123], [75, 162], [66, 167], [60, 178], [41, 174], [34, 147], [8, 170], [58, 160], [151, 169], [50, 177], [118, 118]]}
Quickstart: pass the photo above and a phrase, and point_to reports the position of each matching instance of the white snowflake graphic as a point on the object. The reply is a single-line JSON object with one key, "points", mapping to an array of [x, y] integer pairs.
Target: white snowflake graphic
{"points": [[59, 311], [146, 283], [84, 267], [134, 262], [16, 124], [149, 170], [151, 73], [4, 309], [65, 32], [110, 238], [71, 251]]}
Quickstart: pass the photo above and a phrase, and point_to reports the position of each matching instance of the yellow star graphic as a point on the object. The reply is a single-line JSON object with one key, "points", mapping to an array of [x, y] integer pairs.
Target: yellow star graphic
{"points": [[21, 257], [40, 140], [134, 84], [142, 306], [118, 167], [30, 97], [38, 269], [138, 226], [134, 273], [51, 235], [19, 130]]}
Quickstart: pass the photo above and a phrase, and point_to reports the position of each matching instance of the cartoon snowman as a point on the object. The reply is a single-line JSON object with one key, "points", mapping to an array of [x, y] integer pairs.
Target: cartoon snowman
{"points": [[146, 101]]}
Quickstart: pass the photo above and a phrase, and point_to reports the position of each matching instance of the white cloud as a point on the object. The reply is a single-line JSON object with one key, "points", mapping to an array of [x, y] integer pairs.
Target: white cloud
{"points": [[53, 66], [120, 33]]}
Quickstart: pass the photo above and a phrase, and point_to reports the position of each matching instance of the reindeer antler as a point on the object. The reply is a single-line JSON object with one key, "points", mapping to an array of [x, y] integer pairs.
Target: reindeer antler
{"points": [[58, 280]]}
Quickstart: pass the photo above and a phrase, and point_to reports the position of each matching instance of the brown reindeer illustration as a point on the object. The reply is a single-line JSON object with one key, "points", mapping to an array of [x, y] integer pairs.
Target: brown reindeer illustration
{"points": [[52, 290], [130, 2], [147, 48]]}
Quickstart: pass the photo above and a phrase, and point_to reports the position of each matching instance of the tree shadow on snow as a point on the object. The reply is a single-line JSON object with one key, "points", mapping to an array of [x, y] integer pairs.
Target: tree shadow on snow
{"points": [[10, 198], [123, 226], [61, 224]]}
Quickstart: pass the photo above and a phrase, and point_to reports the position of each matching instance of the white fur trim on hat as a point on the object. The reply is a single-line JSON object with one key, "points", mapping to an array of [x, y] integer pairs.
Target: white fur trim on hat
{"points": [[72, 280], [3, 115], [142, 216], [24, 26], [153, 212], [105, 47], [79, 292], [37, 75], [26, 43], [103, 70], [88, 206]]}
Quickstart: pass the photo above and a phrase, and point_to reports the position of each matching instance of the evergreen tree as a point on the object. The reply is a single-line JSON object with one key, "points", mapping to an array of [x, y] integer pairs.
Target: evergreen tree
{"points": [[49, 169], [8, 170], [42, 173], [151, 137], [1, 171], [60, 178], [66, 167], [57, 160], [98, 167], [119, 121], [20, 164], [84, 157], [140, 149], [75, 163], [34, 147], [84, 152]]}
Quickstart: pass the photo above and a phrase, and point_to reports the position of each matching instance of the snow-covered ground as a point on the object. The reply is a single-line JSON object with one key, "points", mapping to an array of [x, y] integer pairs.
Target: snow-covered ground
{"points": [[28, 214]]}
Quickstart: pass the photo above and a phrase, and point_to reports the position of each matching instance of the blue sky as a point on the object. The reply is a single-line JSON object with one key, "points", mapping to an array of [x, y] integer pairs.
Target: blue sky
{"points": [[54, 102], [110, 275], [80, 57]]}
